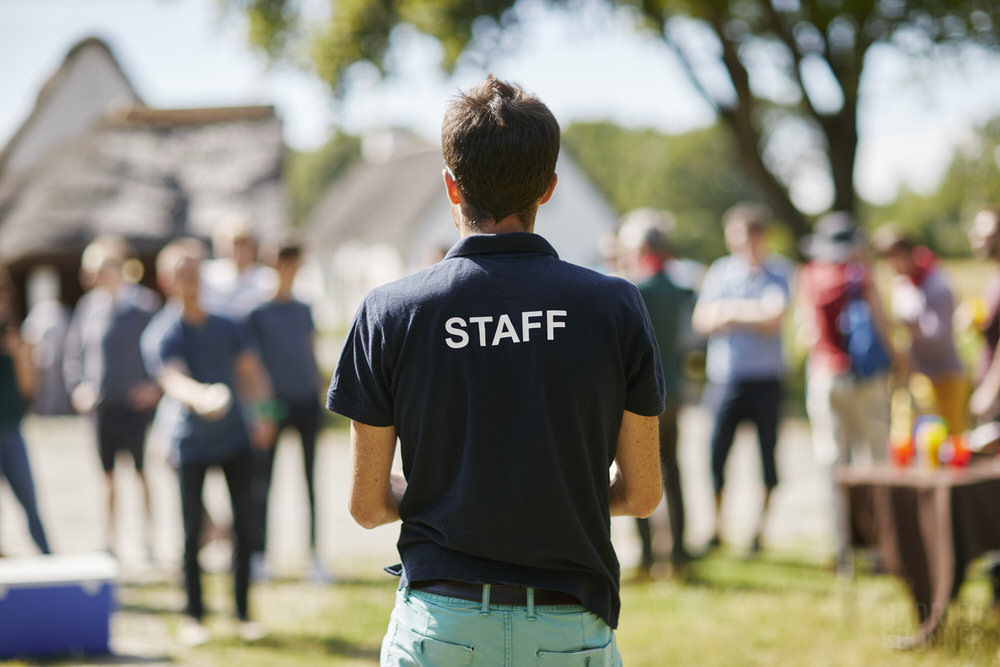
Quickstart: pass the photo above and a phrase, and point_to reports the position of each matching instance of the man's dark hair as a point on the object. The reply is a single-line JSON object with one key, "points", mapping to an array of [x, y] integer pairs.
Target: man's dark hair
{"points": [[286, 246], [500, 144], [288, 251]]}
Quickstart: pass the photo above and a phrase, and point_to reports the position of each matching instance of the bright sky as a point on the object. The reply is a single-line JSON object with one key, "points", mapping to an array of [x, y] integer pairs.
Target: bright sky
{"points": [[186, 53]]}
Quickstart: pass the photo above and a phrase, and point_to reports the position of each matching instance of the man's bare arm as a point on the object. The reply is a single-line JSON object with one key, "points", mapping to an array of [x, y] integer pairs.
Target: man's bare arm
{"points": [[375, 490], [255, 388], [636, 487], [763, 314], [211, 401]]}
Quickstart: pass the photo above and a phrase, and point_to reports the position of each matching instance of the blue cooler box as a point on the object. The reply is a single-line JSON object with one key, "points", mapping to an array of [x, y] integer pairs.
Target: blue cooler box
{"points": [[56, 605]]}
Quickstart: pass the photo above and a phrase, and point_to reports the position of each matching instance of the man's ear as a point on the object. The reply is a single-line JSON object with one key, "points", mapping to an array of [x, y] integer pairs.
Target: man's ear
{"points": [[451, 187], [548, 192]]}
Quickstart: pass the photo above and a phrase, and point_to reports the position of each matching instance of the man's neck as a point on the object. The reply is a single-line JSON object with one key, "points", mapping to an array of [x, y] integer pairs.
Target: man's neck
{"points": [[192, 312], [283, 293], [509, 225]]}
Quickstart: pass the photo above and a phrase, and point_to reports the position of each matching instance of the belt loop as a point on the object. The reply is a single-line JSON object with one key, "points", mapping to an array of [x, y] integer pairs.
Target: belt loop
{"points": [[406, 593], [485, 608], [531, 603]]}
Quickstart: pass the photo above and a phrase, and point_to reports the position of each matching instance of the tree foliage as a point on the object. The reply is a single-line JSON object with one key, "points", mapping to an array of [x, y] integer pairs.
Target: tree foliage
{"points": [[308, 175], [693, 175], [763, 65], [939, 219]]}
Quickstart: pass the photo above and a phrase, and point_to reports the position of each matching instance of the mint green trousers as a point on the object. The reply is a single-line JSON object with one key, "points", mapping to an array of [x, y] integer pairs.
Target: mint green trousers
{"points": [[429, 630]]}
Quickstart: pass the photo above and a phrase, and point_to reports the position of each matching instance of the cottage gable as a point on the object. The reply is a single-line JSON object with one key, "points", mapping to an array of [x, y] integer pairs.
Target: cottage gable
{"points": [[82, 91]]}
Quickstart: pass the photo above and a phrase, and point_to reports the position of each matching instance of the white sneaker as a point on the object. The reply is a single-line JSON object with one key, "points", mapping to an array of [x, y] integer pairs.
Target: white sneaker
{"points": [[192, 632], [251, 632]]}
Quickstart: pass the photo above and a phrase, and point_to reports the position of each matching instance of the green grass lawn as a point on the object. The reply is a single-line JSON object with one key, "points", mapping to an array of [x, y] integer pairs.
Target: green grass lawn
{"points": [[773, 610]]}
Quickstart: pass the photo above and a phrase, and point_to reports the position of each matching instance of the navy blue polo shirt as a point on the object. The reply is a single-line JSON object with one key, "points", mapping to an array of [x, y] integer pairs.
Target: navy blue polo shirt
{"points": [[209, 350], [505, 372], [283, 333]]}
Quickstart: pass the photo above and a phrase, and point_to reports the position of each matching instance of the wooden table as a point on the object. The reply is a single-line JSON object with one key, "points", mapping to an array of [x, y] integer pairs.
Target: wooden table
{"points": [[927, 525]]}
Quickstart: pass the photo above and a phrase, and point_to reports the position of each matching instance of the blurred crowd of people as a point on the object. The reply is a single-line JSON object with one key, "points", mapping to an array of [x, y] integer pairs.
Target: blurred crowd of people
{"points": [[213, 372], [209, 377], [859, 344]]}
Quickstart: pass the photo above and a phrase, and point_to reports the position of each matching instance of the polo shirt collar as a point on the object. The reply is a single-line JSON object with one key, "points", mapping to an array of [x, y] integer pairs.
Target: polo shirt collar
{"points": [[491, 244]]}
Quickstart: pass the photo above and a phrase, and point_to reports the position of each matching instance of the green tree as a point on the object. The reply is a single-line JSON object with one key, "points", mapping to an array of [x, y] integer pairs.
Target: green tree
{"points": [[940, 219], [814, 49], [693, 175], [308, 175]]}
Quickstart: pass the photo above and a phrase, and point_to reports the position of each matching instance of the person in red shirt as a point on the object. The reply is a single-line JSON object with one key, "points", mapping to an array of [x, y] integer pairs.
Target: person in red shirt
{"points": [[848, 409]]}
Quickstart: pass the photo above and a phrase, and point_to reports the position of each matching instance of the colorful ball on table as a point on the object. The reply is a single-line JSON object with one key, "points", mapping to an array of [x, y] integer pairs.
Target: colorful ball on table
{"points": [[901, 450], [961, 455], [929, 433]]}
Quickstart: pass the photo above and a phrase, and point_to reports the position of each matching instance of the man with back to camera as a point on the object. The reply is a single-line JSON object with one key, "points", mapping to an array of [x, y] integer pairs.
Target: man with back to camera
{"points": [[512, 380]]}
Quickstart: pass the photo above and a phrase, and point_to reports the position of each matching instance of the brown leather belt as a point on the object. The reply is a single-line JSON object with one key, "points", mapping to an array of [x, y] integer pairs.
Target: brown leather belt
{"points": [[499, 593]]}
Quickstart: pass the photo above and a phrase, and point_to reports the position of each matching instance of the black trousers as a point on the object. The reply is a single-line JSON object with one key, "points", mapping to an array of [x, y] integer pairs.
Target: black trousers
{"points": [[237, 471], [756, 400], [671, 472], [304, 416]]}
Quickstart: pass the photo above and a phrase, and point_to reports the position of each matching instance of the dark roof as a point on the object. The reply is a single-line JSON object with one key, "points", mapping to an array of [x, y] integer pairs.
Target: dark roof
{"points": [[176, 117], [379, 202], [149, 175], [57, 78]]}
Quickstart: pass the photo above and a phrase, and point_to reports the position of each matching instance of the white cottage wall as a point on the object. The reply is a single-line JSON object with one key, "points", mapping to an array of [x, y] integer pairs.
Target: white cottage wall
{"points": [[90, 86]]}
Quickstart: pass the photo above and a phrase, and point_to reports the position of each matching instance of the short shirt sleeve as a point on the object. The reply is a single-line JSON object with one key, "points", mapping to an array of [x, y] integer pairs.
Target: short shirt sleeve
{"points": [[645, 389], [149, 347], [360, 388], [171, 347]]}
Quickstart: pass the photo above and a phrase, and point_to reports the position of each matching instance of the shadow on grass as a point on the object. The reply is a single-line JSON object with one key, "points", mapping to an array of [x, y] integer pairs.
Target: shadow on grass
{"points": [[334, 585], [109, 659], [298, 644], [149, 609], [777, 574]]}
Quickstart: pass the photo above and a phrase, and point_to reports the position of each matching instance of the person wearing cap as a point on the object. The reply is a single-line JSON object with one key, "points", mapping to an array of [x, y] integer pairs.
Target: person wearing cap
{"points": [[740, 308], [513, 380], [643, 241], [848, 413], [922, 301]]}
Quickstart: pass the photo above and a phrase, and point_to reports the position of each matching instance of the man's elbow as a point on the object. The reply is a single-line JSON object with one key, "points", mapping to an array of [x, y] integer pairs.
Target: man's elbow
{"points": [[646, 503], [366, 515], [701, 323]]}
